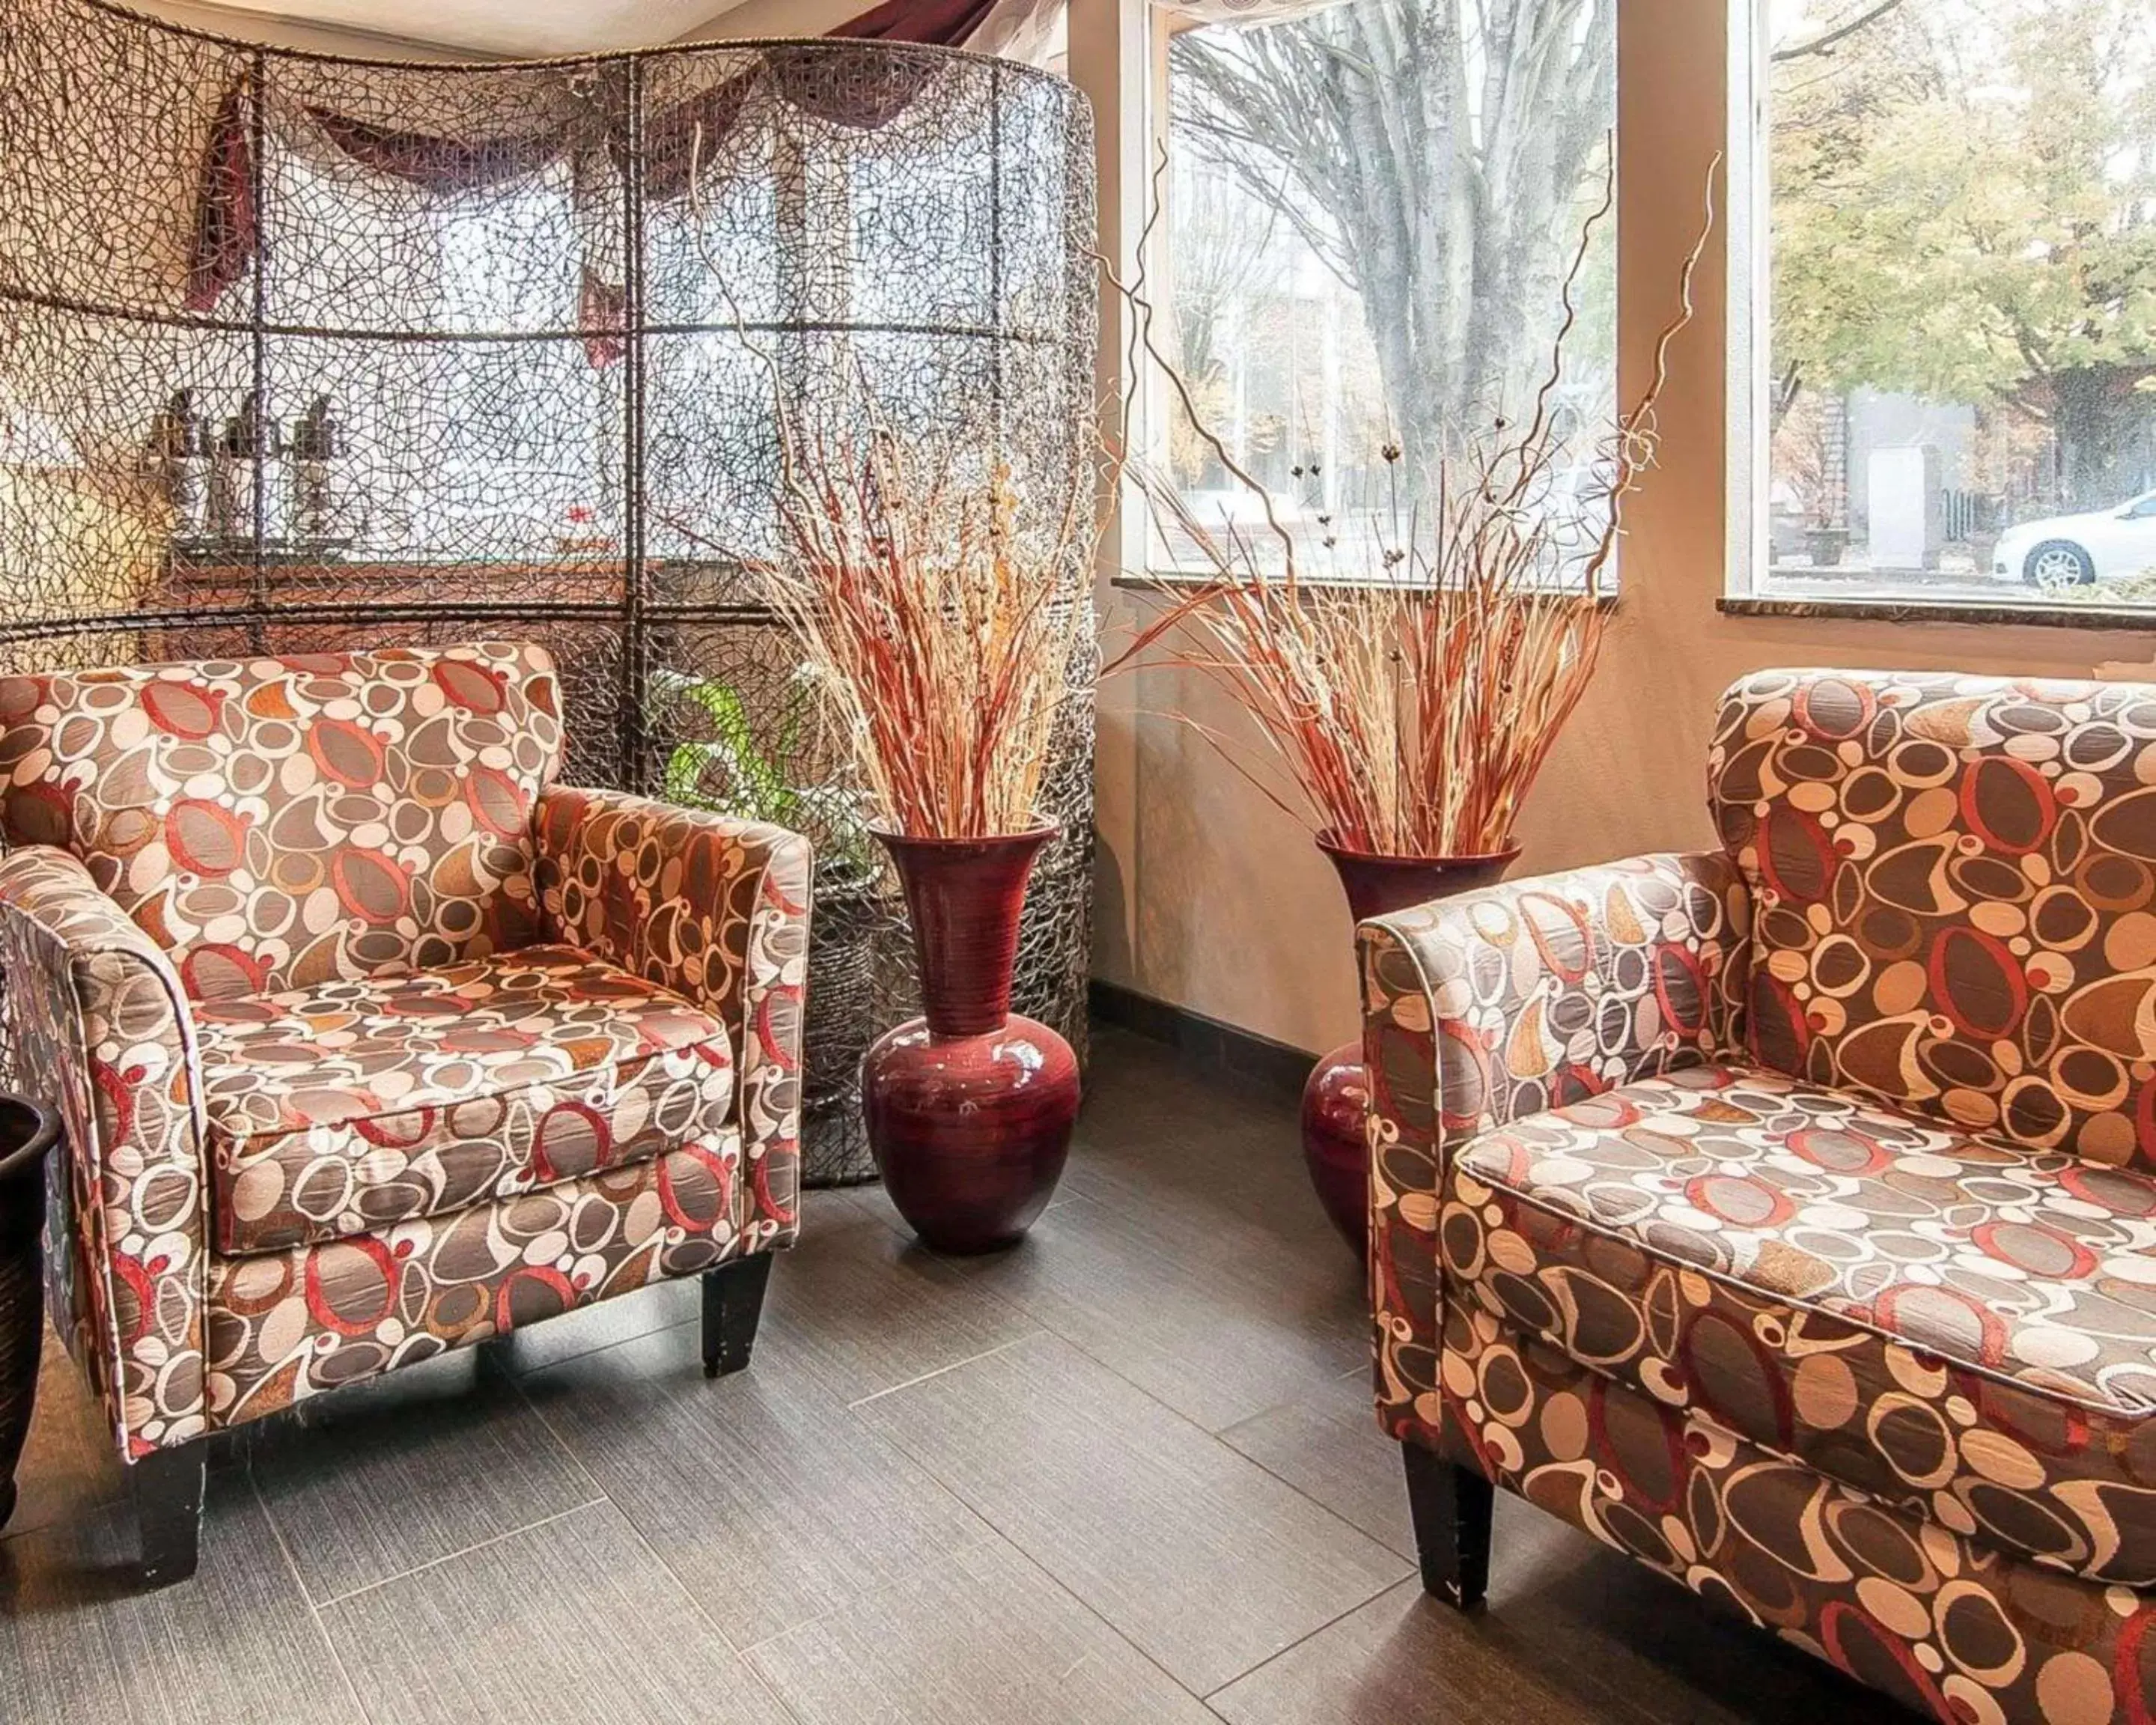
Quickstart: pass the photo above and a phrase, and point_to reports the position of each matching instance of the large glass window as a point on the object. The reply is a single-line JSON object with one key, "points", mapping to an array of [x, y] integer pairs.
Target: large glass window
{"points": [[1373, 206], [1953, 387]]}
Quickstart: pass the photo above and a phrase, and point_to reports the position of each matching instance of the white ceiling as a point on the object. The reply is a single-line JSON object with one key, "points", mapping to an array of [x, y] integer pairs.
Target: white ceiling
{"points": [[506, 28]]}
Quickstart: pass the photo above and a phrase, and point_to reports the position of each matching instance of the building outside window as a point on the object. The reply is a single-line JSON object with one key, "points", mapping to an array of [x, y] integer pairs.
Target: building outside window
{"points": [[1949, 378]]}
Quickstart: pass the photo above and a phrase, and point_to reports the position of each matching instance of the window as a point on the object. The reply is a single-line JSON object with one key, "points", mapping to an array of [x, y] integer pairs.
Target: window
{"points": [[1372, 209], [1951, 368]]}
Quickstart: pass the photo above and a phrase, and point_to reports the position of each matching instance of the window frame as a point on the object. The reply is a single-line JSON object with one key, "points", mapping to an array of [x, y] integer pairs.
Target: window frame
{"points": [[1150, 397], [1748, 353], [1750, 302]]}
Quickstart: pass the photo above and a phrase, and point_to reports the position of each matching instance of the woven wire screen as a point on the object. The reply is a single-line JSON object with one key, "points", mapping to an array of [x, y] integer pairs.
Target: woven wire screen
{"points": [[301, 352]]}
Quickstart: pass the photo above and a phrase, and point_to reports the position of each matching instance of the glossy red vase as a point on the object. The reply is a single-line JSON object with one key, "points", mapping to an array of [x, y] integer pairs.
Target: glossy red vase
{"points": [[1338, 1096], [969, 1106]]}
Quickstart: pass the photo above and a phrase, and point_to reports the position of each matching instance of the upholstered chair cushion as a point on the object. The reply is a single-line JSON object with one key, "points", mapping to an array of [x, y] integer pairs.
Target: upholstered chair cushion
{"points": [[714, 911], [278, 823], [1954, 883], [338, 1109], [1950, 1322], [287, 1325]]}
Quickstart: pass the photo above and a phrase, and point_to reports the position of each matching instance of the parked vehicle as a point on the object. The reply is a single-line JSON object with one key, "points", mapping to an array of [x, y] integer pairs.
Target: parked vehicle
{"points": [[2075, 550]]}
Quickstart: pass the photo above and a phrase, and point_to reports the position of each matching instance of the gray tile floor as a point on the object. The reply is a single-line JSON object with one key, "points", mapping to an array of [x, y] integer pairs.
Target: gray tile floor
{"points": [[1125, 1473]]}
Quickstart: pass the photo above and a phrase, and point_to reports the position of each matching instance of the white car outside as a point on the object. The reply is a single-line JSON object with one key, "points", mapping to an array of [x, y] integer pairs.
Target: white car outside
{"points": [[2074, 549]]}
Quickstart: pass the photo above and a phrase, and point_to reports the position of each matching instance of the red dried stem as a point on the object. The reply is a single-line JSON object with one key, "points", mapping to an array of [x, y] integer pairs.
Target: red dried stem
{"points": [[1412, 707]]}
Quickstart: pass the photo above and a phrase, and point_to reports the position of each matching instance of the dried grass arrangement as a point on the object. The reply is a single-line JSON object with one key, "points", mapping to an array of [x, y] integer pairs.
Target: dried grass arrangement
{"points": [[938, 595], [933, 601], [1410, 693]]}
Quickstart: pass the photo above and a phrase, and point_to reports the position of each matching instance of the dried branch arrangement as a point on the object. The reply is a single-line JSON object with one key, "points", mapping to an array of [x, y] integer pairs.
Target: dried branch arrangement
{"points": [[936, 613], [1411, 692], [938, 594]]}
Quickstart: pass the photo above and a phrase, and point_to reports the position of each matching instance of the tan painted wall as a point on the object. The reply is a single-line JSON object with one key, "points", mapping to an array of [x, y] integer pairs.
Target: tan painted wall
{"points": [[776, 17], [1213, 900], [751, 18], [280, 31]]}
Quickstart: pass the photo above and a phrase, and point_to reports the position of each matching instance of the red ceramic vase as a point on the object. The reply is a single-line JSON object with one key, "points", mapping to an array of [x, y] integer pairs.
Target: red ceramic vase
{"points": [[969, 1106], [1337, 1096]]}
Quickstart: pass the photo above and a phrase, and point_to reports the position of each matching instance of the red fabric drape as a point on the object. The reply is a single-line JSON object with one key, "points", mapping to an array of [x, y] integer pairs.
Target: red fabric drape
{"points": [[603, 311], [942, 24], [439, 164], [860, 90], [675, 139], [864, 90], [228, 225], [224, 237]]}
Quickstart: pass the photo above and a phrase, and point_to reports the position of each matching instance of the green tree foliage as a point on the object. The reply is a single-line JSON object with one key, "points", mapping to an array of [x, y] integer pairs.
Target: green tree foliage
{"points": [[1965, 208]]}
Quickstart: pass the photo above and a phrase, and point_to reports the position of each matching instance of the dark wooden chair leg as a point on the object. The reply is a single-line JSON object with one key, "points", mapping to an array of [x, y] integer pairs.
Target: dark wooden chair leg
{"points": [[733, 1302], [167, 1488], [1451, 1508]]}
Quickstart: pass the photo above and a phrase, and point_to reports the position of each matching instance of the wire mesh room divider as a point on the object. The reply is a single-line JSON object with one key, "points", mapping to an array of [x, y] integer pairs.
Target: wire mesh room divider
{"points": [[301, 352]]}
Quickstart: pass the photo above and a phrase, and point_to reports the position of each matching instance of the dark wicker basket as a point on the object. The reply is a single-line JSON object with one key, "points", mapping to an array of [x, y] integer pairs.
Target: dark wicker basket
{"points": [[27, 1133], [850, 926]]}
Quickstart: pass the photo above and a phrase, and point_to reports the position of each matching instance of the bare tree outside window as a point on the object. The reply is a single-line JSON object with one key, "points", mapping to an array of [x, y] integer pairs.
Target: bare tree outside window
{"points": [[1372, 211], [1962, 341]]}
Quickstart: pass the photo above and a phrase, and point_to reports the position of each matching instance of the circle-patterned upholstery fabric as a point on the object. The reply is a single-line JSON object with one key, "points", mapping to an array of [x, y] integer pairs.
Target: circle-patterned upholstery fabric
{"points": [[337, 1110], [1954, 1629], [1954, 884], [1961, 1327], [276, 824]]}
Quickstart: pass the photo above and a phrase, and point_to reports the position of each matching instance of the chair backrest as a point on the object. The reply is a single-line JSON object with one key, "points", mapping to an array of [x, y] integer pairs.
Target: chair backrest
{"points": [[277, 823], [1955, 882]]}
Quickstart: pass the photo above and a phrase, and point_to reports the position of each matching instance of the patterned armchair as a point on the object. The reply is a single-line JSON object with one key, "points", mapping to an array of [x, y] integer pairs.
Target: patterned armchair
{"points": [[1785, 1216], [371, 1041]]}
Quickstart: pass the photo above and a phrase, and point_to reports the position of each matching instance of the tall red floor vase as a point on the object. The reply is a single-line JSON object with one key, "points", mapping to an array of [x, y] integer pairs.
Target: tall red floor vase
{"points": [[1337, 1096], [969, 1106]]}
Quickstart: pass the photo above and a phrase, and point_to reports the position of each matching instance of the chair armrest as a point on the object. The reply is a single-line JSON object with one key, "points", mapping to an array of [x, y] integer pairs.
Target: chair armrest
{"points": [[1481, 1010], [97, 1023], [717, 910]]}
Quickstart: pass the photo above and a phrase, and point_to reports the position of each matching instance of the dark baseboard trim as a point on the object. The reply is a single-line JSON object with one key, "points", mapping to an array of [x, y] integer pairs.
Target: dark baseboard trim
{"points": [[1205, 1044]]}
